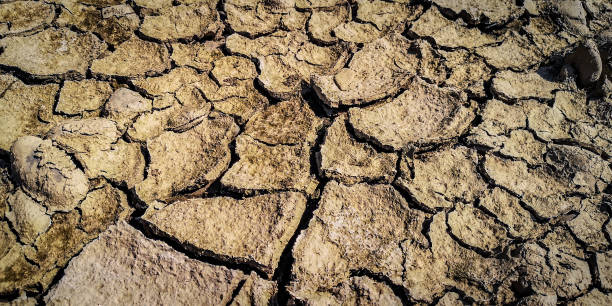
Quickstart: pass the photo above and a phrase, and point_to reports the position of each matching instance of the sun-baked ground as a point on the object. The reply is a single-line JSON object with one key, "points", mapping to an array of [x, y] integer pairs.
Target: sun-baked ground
{"points": [[256, 152]]}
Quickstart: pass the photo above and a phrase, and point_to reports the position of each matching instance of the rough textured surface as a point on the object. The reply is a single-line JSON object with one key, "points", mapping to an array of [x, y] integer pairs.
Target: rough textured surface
{"points": [[20, 108], [306, 152], [421, 115], [356, 227], [84, 96], [183, 161], [134, 57], [260, 225], [439, 179], [265, 167], [142, 271], [48, 173], [182, 21], [288, 122], [365, 81], [54, 52], [344, 158]]}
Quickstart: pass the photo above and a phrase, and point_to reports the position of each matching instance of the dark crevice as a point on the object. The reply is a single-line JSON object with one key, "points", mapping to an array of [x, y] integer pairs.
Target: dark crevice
{"points": [[31, 79], [193, 252], [413, 203], [283, 273], [399, 291], [58, 276], [236, 291]]}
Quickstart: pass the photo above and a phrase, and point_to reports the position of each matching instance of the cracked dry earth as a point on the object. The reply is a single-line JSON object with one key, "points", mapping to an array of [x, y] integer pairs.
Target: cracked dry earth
{"points": [[323, 152]]}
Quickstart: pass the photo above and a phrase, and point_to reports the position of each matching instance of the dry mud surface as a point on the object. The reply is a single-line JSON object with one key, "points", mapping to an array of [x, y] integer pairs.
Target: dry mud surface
{"points": [[320, 152]]}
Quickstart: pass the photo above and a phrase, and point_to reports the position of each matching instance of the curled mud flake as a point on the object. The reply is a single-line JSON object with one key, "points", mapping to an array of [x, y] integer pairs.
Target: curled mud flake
{"points": [[48, 173], [587, 61], [422, 115], [365, 81]]}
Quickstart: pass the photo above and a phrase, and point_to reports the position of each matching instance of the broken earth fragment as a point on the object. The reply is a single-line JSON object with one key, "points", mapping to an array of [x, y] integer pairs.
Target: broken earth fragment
{"points": [[355, 227], [266, 167], [140, 271], [182, 21], [546, 194], [82, 96], [253, 230], [23, 16], [28, 217], [514, 85], [357, 290], [184, 161], [199, 56], [475, 228], [288, 122], [51, 52], [134, 57], [366, 81], [101, 208], [20, 108], [345, 159], [124, 106], [441, 178], [48, 173], [489, 11], [448, 33], [423, 114], [256, 292]]}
